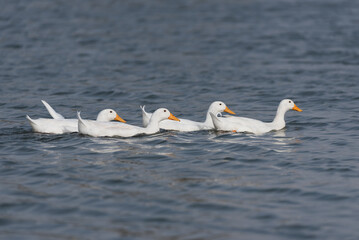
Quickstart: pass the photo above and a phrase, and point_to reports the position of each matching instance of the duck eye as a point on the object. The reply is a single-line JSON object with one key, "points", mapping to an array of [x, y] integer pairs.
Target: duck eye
{"points": [[110, 111], [164, 110], [220, 104], [290, 101]]}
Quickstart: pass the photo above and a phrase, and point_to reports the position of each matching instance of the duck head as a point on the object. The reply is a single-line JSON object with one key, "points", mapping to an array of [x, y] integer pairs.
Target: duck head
{"points": [[218, 107], [288, 104], [164, 113], [109, 115]]}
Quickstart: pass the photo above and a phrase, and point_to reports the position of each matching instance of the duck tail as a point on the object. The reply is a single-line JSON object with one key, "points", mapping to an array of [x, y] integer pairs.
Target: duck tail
{"points": [[79, 118], [30, 120], [81, 126], [52, 112], [145, 116]]}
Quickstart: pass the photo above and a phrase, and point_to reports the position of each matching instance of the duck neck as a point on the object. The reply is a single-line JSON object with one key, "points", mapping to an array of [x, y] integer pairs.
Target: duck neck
{"points": [[278, 121], [153, 126], [208, 122]]}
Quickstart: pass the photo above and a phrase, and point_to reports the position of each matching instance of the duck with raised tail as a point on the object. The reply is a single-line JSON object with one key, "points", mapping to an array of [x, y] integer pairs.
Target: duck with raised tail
{"points": [[242, 124], [186, 125], [58, 124], [102, 129]]}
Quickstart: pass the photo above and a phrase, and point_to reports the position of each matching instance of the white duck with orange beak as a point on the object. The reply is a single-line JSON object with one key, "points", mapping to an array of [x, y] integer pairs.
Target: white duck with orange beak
{"points": [[58, 124], [249, 125], [186, 125], [103, 129]]}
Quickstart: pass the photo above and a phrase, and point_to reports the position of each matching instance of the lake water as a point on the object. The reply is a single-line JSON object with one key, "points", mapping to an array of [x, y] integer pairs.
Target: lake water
{"points": [[298, 183]]}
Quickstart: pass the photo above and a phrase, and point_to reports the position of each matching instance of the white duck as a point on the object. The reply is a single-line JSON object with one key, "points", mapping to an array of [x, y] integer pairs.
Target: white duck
{"points": [[242, 124], [102, 129], [186, 125], [58, 124]]}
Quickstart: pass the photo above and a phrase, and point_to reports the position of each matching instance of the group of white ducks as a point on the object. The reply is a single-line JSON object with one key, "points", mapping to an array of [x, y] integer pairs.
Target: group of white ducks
{"points": [[159, 119]]}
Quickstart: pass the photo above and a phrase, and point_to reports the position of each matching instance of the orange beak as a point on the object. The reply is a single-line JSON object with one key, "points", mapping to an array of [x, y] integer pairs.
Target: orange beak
{"points": [[118, 118], [171, 117], [297, 108], [228, 110]]}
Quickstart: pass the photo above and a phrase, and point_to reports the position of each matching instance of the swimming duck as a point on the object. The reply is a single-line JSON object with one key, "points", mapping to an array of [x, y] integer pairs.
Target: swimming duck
{"points": [[186, 125], [103, 129], [242, 124], [58, 124]]}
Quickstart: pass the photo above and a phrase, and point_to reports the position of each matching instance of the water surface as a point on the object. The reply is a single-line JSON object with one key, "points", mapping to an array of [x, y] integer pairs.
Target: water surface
{"points": [[297, 183]]}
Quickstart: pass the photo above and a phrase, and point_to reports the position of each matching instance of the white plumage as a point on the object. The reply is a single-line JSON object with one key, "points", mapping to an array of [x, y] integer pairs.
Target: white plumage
{"points": [[186, 125], [243, 124], [58, 124], [107, 129]]}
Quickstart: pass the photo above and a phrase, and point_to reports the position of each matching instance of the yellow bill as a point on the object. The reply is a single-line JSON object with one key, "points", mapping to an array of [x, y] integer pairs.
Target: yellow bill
{"points": [[172, 117], [118, 118], [228, 110], [297, 108]]}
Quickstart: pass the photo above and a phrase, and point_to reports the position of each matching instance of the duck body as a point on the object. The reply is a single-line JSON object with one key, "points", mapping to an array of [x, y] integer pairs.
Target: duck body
{"points": [[242, 124], [54, 126], [103, 129], [106, 129], [186, 125], [249, 125], [59, 125]]}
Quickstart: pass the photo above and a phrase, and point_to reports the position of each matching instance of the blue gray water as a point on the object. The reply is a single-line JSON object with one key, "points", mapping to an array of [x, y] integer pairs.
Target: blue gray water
{"points": [[298, 183]]}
